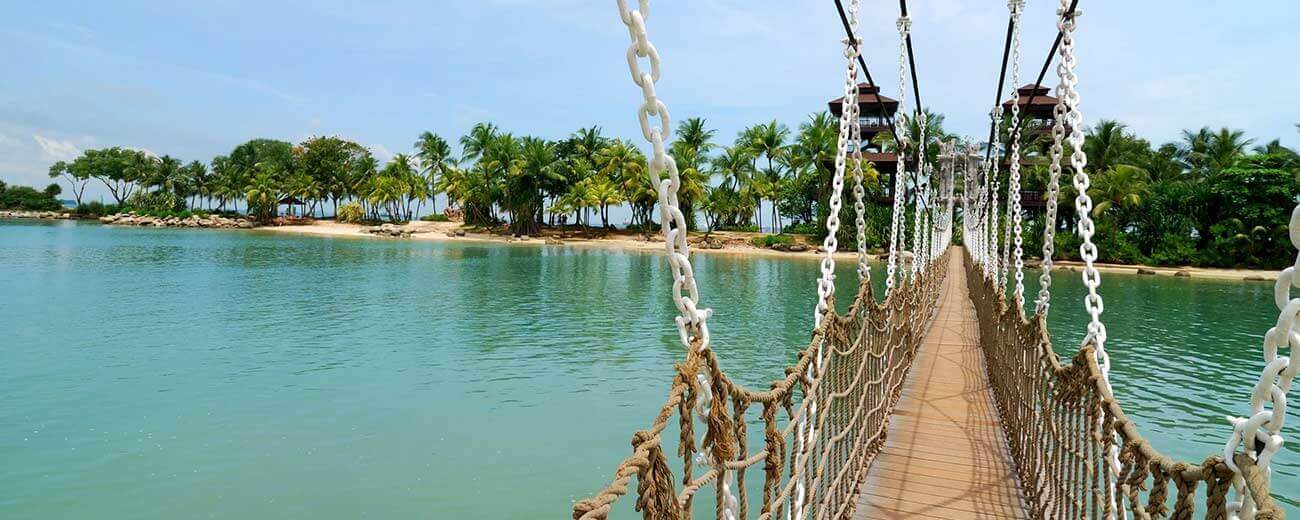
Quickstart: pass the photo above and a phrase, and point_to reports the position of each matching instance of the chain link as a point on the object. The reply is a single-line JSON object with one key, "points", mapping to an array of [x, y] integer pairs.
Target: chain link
{"points": [[922, 192], [826, 284], [1059, 115], [692, 320], [1066, 23], [1014, 213], [900, 184], [859, 193], [1262, 428], [997, 267]]}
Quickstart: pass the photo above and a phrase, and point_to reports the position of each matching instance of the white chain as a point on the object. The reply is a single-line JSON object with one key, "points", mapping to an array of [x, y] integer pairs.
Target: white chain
{"points": [[859, 193], [922, 191], [900, 185], [826, 284], [1260, 432], [1016, 7], [1083, 205], [997, 269], [1053, 194], [692, 321]]}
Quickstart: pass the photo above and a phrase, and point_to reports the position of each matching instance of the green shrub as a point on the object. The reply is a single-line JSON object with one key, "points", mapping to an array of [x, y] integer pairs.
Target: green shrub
{"points": [[435, 217], [155, 201], [95, 209], [350, 213], [1174, 250], [28, 199], [801, 228], [771, 240]]}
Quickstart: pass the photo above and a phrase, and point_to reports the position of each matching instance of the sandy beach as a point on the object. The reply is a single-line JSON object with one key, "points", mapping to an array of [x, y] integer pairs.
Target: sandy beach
{"points": [[732, 243]]}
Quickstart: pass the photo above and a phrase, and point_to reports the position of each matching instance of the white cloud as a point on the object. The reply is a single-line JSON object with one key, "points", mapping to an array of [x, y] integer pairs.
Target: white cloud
{"points": [[381, 153], [55, 149]]}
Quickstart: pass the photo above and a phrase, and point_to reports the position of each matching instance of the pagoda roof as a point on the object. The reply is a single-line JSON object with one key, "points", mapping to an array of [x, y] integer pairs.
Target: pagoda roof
{"points": [[869, 101]]}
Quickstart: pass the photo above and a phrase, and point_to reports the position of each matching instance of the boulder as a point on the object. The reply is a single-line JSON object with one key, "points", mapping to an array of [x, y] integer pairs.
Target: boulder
{"points": [[554, 242], [1183, 273], [460, 232], [244, 224], [1144, 270], [797, 248]]}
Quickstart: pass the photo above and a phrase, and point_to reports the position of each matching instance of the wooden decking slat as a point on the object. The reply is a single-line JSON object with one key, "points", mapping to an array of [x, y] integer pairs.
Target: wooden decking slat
{"points": [[945, 456]]}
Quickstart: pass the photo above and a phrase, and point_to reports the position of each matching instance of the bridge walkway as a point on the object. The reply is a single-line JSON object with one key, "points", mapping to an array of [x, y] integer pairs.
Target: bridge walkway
{"points": [[944, 456]]}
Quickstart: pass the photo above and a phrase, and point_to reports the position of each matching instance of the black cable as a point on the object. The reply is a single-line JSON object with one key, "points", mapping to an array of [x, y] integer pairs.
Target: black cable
{"points": [[911, 60], [1042, 73], [848, 30]]}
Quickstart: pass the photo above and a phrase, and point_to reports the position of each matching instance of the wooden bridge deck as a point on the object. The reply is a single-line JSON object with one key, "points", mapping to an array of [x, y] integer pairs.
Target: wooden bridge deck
{"points": [[945, 456]]}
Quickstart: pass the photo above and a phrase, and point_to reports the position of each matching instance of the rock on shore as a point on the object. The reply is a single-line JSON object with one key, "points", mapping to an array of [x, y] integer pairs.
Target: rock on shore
{"points": [[193, 221], [390, 230], [35, 214]]}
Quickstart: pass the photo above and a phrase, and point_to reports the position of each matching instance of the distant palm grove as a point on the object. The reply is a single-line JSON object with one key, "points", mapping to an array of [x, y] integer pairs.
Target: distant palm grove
{"points": [[1214, 198]]}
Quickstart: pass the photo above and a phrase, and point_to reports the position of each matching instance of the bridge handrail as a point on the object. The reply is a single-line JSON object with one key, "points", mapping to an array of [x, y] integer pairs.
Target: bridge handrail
{"points": [[1040, 446], [888, 331]]}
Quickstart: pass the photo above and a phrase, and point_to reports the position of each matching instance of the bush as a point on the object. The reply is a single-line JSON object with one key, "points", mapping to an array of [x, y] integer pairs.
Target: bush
{"points": [[28, 199], [1174, 250], [94, 209], [435, 217], [350, 213], [801, 228], [771, 240], [155, 201], [747, 228]]}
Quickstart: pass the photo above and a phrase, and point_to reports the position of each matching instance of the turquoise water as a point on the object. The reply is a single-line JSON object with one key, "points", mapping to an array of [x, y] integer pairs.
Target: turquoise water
{"points": [[157, 373]]}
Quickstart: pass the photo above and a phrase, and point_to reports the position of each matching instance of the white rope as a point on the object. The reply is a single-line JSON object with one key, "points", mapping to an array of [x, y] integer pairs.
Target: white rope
{"points": [[1262, 428], [900, 185], [692, 321]]}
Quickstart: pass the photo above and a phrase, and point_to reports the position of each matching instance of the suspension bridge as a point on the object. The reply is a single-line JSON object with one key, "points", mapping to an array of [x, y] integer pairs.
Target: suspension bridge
{"points": [[944, 399]]}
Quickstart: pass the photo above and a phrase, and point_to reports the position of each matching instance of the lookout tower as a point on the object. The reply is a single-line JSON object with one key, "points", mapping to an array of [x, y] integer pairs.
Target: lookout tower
{"points": [[1037, 108], [874, 111]]}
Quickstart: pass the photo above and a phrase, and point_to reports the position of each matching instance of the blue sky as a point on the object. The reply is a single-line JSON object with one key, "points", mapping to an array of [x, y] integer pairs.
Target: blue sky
{"points": [[195, 79]]}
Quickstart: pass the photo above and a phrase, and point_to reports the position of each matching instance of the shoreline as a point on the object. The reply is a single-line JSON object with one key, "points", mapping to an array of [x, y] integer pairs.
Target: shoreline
{"points": [[733, 243]]}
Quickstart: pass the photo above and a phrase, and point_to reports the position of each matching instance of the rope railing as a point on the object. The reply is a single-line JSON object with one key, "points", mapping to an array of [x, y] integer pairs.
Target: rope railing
{"points": [[1061, 422], [864, 357]]}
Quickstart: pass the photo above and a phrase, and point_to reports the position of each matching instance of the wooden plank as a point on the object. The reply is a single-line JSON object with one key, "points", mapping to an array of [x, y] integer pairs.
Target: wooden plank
{"points": [[945, 456]]}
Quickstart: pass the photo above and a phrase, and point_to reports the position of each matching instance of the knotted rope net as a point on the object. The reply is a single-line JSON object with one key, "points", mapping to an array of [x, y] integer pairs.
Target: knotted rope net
{"points": [[1061, 421], [864, 358]]}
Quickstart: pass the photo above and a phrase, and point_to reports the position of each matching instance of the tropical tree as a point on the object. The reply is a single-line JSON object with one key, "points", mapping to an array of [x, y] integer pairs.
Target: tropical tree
{"points": [[435, 160], [76, 179]]}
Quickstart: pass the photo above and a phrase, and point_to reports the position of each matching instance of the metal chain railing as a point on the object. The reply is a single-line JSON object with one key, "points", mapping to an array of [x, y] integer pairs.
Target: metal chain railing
{"points": [[900, 184], [1014, 214], [1258, 436], [997, 266], [1059, 116], [692, 320]]}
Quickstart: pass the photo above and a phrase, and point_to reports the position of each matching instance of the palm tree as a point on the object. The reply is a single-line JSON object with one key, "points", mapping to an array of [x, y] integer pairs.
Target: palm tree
{"points": [[768, 141], [477, 141], [736, 166], [1122, 186], [622, 163], [691, 153], [536, 167], [435, 158]]}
